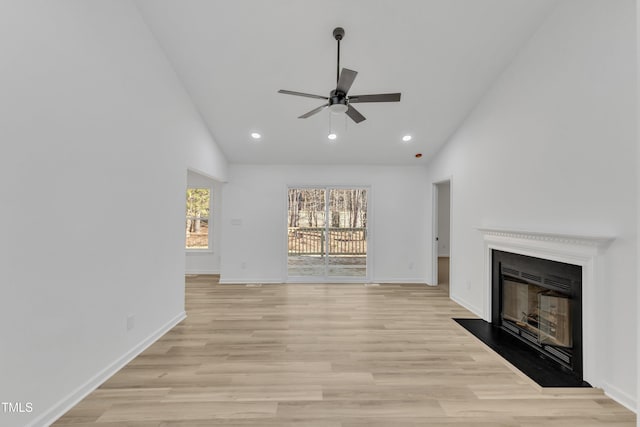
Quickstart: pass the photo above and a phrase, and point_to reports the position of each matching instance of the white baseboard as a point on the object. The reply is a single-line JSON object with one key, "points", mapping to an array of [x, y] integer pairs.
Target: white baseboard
{"points": [[414, 280], [202, 272], [60, 408], [244, 281], [472, 308], [419, 281], [623, 398]]}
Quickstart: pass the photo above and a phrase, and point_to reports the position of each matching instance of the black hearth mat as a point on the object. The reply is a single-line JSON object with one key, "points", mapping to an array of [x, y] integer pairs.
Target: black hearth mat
{"points": [[543, 371]]}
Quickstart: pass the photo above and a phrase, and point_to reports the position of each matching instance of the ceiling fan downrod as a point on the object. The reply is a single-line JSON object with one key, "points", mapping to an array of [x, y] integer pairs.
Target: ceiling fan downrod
{"points": [[338, 34]]}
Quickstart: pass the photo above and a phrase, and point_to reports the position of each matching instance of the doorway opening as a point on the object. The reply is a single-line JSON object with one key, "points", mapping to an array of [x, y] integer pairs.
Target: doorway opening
{"points": [[327, 234], [442, 233]]}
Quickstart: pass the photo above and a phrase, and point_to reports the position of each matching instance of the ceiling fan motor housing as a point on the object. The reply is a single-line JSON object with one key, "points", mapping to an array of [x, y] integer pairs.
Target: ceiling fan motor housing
{"points": [[337, 97]]}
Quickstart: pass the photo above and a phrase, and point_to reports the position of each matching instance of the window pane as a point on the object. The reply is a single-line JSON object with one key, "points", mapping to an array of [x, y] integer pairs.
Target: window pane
{"points": [[197, 224]]}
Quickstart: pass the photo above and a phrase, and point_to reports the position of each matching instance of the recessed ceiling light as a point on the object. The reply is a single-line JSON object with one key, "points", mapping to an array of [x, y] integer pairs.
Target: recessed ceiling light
{"points": [[407, 138], [332, 136], [256, 135]]}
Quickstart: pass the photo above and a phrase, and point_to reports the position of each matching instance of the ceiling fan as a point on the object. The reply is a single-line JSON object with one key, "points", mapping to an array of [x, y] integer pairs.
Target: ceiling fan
{"points": [[338, 100]]}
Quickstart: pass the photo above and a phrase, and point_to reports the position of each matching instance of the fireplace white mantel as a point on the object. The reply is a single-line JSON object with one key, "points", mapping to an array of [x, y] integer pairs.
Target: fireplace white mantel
{"points": [[581, 250]]}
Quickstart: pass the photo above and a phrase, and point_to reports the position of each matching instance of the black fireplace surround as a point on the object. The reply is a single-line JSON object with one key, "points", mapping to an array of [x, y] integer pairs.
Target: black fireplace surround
{"points": [[539, 302]]}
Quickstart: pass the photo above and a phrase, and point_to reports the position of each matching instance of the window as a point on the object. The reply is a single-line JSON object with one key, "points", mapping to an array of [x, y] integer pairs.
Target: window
{"points": [[198, 211]]}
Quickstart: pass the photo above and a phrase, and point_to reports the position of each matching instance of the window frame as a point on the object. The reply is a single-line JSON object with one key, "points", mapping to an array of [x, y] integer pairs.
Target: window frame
{"points": [[209, 248]]}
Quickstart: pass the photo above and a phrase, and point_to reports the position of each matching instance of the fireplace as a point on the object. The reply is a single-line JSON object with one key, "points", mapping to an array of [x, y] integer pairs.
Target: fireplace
{"points": [[539, 301], [589, 349]]}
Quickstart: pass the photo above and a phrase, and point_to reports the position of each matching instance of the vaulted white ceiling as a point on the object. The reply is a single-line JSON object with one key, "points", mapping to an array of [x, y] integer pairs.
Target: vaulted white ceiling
{"points": [[443, 55]]}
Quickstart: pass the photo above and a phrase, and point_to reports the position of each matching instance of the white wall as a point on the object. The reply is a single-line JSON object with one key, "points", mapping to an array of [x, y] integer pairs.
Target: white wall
{"points": [[205, 157], [207, 261], [444, 195], [552, 148], [95, 129], [638, 200], [256, 195]]}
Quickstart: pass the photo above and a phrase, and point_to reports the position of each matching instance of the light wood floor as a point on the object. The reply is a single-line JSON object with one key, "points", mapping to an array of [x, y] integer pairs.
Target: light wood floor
{"points": [[443, 271], [329, 355]]}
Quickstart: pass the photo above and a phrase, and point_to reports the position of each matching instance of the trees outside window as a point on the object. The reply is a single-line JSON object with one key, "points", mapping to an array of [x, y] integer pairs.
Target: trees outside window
{"points": [[198, 214]]}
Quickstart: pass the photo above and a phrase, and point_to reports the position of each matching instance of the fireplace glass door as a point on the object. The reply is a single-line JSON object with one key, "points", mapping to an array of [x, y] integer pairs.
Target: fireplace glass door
{"points": [[543, 315], [555, 319]]}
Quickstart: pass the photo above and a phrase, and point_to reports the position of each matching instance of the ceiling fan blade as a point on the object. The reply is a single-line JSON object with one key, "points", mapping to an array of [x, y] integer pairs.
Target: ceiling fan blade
{"points": [[379, 97], [308, 95], [346, 79], [314, 111], [355, 114]]}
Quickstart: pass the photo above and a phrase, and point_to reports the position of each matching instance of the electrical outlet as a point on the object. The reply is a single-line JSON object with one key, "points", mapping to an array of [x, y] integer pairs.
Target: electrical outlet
{"points": [[468, 284], [411, 265], [243, 265]]}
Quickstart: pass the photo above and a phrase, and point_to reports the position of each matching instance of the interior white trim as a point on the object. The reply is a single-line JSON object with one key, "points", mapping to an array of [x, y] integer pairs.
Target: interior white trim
{"points": [[240, 281], [59, 409], [466, 304], [203, 271], [582, 250], [567, 239], [408, 280], [327, 279], [621, 397], [434, 232]]}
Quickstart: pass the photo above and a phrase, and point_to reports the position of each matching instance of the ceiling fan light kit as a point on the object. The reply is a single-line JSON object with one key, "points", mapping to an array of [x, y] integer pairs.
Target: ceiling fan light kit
{"points": [[338, 108], [338, 100]]}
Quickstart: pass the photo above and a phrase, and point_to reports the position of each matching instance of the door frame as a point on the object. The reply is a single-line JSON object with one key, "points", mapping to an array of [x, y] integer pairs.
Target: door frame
{"points": [[434, 229], [326, 278]]}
